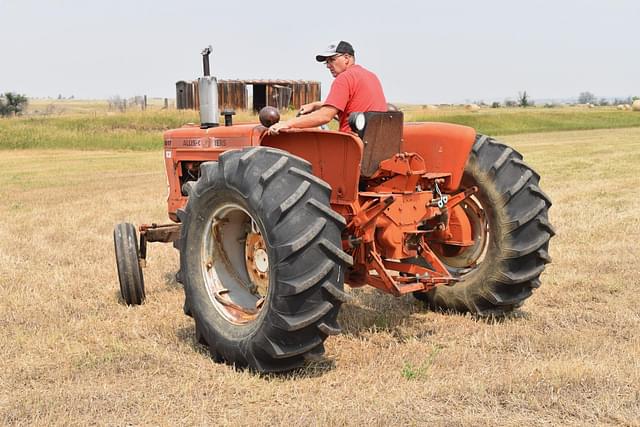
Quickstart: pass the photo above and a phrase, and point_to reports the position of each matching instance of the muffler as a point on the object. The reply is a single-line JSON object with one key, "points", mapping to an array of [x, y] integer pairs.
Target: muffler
{"points": [[208, 91]]}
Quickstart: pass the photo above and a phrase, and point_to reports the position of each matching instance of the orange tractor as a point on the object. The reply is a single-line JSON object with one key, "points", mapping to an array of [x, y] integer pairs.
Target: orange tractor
{"points": [[270, 227]]}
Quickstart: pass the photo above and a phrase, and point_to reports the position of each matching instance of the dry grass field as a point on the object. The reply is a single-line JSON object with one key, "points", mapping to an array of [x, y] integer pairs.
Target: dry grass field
{"points": [[72, 354]]}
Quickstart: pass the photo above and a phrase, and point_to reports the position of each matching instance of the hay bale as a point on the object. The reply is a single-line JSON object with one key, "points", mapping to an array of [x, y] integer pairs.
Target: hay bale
{"points": [[620, 107], [473, 108], [432, 107], [636, 105], [627, 107]]}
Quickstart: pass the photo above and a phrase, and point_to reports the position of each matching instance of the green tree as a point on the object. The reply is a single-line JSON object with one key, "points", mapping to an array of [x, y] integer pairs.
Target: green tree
{"points": [[12, 104], [523, 99]]}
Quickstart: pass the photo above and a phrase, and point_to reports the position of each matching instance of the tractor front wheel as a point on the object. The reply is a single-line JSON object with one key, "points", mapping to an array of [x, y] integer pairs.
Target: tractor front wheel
{"points": [[261, 260], [128, 261]]}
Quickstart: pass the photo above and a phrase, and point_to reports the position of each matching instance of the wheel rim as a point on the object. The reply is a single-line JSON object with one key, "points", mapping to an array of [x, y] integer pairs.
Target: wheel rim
{"points": [[235, 264], [461, 261]]}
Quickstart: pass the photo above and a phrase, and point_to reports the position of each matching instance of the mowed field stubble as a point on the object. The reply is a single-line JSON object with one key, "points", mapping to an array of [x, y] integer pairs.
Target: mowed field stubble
{"points": [[72, 354]]}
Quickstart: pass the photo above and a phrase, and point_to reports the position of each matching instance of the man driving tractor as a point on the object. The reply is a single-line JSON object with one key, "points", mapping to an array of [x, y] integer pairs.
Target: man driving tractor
{"points": [[354, 89]]}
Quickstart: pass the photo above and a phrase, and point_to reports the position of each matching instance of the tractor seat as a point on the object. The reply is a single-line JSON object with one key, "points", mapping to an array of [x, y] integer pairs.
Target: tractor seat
{"points": [[381, 134]]}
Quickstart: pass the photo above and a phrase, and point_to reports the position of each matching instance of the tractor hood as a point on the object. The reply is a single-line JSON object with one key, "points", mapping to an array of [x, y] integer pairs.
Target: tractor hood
{"points": [[223, 137]]}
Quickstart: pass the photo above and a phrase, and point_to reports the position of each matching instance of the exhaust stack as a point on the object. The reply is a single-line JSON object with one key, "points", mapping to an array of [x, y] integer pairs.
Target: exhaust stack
{"points": [[208, 91]]}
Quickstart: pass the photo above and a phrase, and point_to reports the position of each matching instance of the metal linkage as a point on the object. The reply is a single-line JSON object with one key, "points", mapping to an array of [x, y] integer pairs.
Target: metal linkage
{"points": [[388, 228], [164, 233]]}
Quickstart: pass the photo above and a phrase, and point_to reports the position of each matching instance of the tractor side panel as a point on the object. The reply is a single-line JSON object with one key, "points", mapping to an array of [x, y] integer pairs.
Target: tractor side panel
{"points": [[444, 147], [335, 157]]}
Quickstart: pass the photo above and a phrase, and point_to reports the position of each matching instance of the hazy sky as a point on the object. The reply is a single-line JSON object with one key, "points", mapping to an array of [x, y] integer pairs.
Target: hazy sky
{"points": [[423, 51]]}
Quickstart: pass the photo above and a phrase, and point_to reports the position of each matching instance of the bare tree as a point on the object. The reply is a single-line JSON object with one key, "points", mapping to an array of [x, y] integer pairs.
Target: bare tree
{"points": [[117, 103], [586, 98]]}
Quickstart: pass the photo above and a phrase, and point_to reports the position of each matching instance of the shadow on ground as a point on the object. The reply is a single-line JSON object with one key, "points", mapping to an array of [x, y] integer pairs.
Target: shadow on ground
{"points": [[170, 280], [369, 312], [312, 369]]}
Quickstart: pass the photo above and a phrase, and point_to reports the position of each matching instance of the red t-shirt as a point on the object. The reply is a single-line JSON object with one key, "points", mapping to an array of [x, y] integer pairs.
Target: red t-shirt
{"points": [[355, 89]]}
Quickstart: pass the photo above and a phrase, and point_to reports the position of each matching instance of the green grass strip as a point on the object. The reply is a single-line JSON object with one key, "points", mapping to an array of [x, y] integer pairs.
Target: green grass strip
{"points": [[142, 131]]}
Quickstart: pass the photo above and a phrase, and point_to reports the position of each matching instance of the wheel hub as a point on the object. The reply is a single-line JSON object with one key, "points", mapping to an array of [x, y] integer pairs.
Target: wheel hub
{"points": [[257, 262], [262, 263], [461, 259]]}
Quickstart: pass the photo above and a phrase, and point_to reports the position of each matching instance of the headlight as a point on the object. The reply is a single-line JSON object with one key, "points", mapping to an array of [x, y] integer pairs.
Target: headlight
{"points": [[357, 122]]}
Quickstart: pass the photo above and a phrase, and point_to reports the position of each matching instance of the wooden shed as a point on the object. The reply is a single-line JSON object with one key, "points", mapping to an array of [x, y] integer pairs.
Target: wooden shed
{"points": [[185, 95], [234, 94]]}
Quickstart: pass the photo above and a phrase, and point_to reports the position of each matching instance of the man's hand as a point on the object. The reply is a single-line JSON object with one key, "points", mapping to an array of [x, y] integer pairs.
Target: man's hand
{"points": [[275, 129], [309, 108]]}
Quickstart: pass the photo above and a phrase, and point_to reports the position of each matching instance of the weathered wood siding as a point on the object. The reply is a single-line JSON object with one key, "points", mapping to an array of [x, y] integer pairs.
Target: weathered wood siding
{"points": [[233, 94]]}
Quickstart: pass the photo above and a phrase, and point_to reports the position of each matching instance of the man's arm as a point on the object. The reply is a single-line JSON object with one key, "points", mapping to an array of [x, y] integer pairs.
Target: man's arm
{"points": [[319, 117]]}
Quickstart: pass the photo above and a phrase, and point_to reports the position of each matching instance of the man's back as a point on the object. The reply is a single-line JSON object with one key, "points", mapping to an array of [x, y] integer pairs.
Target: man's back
{"points": [[355, 89]]}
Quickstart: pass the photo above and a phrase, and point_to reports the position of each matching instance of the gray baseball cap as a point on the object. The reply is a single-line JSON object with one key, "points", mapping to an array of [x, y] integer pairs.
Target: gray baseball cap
{"points": [[335, 48]]}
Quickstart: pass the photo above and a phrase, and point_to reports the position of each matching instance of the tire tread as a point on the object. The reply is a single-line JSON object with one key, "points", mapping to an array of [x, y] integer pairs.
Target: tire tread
{"points": [[524, 231]]}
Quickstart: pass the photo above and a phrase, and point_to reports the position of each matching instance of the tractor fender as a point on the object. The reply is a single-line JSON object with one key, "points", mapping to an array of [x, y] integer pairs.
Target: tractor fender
{"points": [[334, 156], [444, 147]]}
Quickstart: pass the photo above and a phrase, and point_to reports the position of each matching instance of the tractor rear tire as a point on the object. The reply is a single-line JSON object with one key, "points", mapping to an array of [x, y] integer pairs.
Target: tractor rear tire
{"points": [[261, 260], [127, 259], [517, 231]]}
